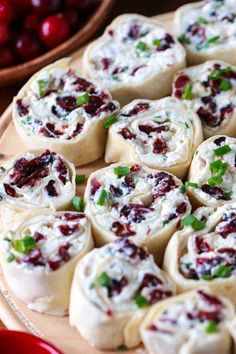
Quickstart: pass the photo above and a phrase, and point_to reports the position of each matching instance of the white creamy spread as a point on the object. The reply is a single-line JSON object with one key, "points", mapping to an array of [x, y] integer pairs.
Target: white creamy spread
{"points": [[138, 204], [129, 272], [162, 135], [213, 92], [41, 186], [61, 105], [128, 52], [209, 25], [53, 239]]}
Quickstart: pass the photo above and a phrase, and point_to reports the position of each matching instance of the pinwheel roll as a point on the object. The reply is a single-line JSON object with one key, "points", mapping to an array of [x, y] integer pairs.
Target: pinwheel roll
{"points": [[137, 202], [204, 252], [39, 257], [209, 90], [161, 134], [112, 288], [62, 111], [232, 328], [34, 180], [134, 58], [195, 322], [212, 174], [207, 30]]}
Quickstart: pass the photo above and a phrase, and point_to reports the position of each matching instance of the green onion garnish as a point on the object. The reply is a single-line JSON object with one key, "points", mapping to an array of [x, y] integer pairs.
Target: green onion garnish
{"points": [[25, 245], [215, 166], [78, 203], [191, 220], [187, 94], [141, 46], [222, 150], [212, 39], [206, 277], [225, 85], [41, 85], [215, 181], [79, 179], [110, 120], [82, 99], [223, 271], [215, 74], [202, 21], [156, 42], [182, 39], [104, 279], [191, 184], [10, 258], [211, 327], [141, 301], [182, 189], [121, 171], [102, 197]]}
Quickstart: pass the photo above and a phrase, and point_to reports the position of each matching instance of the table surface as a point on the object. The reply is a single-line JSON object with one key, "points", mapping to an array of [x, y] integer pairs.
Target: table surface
{"points": [[148, 8]]}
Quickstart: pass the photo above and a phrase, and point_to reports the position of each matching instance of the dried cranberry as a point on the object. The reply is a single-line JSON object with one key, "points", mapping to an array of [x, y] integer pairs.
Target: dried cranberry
{"points": [[75, 216], [208, 315], [135, 168], [226, 111], [61, 169], [164, 184], [54, 265], [78, 129], [210, 299], [160, 146], [181, 208], [122, 230], [128, 248], [9, 190], [95, 185], [116, 286], [207, 117], [115, 191], [134, 31], [127, 134], [138, 108], [106, 62], [148, 129], [149, 280], [93, 105], [181, 81], [166, 43], [128, 182], [68, 230], [159, 294], [67, 103], [20, 164], [34, 257], [135, 212], [227, 229], [215, 192], [21, 108], [220, 140], [38, 236], [82, 85], [201, 245], [63, 252], [197, 31], [33, 178], [137, 68], [110, 107], [51, 189]]}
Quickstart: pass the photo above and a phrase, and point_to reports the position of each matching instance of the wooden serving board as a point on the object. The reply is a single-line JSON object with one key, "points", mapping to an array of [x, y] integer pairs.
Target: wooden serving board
{"points": [[13, 313]]}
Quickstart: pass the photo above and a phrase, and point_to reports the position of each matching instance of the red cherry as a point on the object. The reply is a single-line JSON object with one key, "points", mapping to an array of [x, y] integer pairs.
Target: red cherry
{"points": [[25, 3], [28, 46], [6, 57], [72, 17], [4, 33], [45, 7], [31, 22], [6, 11], [54, 30], [84, 5]]}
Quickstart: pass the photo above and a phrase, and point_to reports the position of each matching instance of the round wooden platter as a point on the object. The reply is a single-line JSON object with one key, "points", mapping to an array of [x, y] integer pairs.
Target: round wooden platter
{"points": [[13, 313]]}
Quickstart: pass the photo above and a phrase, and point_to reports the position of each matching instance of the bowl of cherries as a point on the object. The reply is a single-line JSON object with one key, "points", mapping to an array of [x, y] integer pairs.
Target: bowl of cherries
{"points": [[34, 33]]}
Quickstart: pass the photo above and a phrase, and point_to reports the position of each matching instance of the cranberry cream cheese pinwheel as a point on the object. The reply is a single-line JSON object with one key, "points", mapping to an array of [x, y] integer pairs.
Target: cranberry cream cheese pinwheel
{"points": [[212, 174], [204, 252], [137, 202], [112, 288], [195, 322], [209, 89], [35, 180], [39, 257], [59, 110], [207, 30], [134, 58], [232, 328], [160, 134]]}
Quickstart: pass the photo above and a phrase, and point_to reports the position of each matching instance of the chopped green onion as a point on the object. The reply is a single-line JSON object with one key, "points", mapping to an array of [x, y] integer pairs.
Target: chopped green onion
{"points": [[141, 46], [186, 125], [79, 179], [223, 271], [212, 39], [202, 21], [215, 74], [41, 85], [82, 99], [2, 168], [10, 258], [156, 42], [121, 171], [165, 222], [25, 245], [226, 70], [104, 279], [182, 189], [141, 301], [225, 85], [187, 94], [191, 220], [191, 184], [182, 39], [211, 327], [110, 120], [78, 203], [7, 239], [215, 181], [222, 150], [206, 277], [102, 197], [215, 166]]}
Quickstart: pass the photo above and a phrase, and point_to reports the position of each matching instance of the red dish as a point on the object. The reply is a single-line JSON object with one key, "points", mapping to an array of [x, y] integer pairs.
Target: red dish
{"points": [[24, 343]]}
